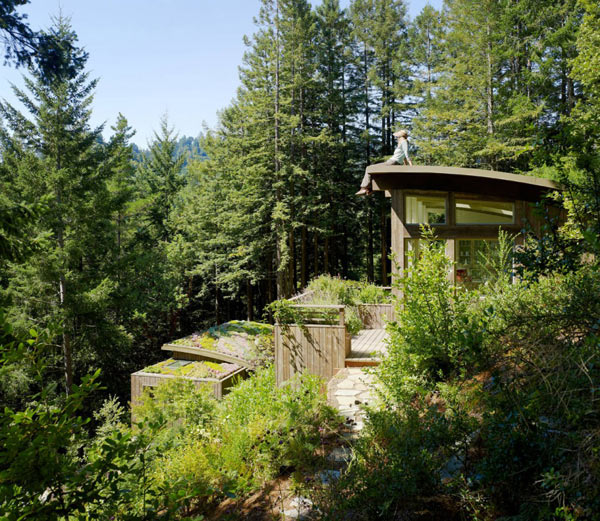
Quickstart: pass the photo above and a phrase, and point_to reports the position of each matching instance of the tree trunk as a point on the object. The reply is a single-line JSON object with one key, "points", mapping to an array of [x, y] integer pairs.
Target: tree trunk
{"points": [[66, 338], [370, 247], [316, 254], [489, 91], [249, 301], [279, 228], [62, 292], [304, 255]]}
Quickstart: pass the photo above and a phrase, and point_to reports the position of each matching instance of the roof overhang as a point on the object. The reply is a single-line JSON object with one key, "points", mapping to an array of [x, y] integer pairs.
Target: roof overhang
{"points": [[466, 180]]}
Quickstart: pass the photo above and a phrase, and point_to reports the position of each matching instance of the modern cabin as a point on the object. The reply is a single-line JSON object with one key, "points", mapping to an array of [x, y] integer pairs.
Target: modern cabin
{"points": [[465, 207]]}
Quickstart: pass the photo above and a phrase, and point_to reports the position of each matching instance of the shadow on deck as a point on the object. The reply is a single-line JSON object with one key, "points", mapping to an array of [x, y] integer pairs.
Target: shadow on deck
{"points": [[367, 348]]}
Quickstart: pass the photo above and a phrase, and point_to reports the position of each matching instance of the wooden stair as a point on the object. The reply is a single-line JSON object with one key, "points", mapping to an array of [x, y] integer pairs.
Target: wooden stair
{"points": [[366, 348]]}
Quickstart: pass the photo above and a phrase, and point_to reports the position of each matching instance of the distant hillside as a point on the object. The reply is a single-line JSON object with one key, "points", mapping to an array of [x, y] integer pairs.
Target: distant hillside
{"points": [[186, 145]]}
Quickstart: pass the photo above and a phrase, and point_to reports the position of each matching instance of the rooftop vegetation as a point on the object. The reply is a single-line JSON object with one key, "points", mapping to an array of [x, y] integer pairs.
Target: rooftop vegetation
{"points": [[192, 369], [247, 340]]}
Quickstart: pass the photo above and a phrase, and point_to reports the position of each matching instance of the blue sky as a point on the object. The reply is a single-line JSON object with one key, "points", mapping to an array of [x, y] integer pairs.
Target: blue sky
{"points": [[153, 57]]}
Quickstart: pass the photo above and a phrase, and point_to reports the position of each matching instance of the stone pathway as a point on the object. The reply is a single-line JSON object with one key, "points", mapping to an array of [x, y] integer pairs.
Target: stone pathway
{"points": [[348, 391]]}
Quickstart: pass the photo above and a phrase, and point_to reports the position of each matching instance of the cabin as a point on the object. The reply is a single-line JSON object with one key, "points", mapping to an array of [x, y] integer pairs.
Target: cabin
{"points": [[465, 207]]}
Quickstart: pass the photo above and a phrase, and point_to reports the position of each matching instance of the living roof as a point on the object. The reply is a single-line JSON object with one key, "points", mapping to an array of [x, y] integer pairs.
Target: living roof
{"points": [[196, 370], [235, 342], [453, 179]]}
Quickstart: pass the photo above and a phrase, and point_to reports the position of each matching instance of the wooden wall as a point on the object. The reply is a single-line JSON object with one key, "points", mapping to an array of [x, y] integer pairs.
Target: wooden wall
{"points": [[318, 349], [141, 380], [525, 214], [375, 316]]}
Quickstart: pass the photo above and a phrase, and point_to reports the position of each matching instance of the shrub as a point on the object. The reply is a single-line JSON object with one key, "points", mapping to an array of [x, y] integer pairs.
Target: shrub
{"points": [[492, 401], [436, 333], [206, 450], [334, 290]]}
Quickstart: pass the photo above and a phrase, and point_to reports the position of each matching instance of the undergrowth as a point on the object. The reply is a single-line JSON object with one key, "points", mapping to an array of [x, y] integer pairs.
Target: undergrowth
{"points": [[491, 403], [203, 451]]}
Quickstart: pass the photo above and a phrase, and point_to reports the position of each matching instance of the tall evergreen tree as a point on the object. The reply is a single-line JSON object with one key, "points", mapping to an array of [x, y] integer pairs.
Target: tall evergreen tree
{"points": [[160, 178], [55, 156]]}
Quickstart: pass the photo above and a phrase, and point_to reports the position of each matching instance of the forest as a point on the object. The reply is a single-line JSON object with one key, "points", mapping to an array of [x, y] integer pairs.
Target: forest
{"points": [[107, 251]]}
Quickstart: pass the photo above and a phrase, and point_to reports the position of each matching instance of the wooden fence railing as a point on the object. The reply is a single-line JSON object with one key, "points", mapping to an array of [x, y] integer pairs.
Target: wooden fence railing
{"points": [[319, 342], [319, 345], [375, 316]]}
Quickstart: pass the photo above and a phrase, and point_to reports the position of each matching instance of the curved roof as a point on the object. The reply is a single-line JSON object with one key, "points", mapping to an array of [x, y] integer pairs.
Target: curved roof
{"points": [[451, 179]]}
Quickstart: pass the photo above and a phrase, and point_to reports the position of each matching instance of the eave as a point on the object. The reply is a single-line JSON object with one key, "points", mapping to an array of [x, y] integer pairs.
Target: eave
{"points": [[463, 180]]}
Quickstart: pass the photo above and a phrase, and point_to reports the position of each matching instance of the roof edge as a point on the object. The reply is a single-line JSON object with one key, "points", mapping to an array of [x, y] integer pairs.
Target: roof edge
{"points": [[492, 175]]}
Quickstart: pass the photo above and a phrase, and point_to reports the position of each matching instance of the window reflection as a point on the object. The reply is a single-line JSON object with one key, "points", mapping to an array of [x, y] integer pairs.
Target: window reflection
{"points": [[421, 209], [470, 211]]}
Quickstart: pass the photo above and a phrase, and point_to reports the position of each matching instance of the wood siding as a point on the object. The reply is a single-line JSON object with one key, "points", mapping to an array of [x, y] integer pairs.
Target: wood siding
{"points": [[318, 349], [375, 316], [141, 380]]}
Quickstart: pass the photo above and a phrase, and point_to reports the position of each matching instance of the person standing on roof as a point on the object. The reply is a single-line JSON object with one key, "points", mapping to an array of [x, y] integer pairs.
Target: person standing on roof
{"points": [[400, 157]]}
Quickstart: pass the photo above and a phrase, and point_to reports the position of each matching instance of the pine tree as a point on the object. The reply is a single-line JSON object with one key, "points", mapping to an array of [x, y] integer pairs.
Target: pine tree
{"points": [[160, 178], [426, 37], [56, 157]]}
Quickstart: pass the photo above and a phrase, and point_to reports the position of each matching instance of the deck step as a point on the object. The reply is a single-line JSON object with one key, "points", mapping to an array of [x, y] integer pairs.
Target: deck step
{"points": [[362, 362]]}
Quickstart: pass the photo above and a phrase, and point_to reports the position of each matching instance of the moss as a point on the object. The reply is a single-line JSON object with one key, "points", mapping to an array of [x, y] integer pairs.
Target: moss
{"points": [[151, 369], [237, 338], [195, 369]]}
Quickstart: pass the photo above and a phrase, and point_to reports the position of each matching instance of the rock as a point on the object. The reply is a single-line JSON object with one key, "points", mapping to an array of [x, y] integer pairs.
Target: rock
{"points": [[339, 455], [350, 436], [302, 506], [328, 476], [346, 392], [358, 426]]}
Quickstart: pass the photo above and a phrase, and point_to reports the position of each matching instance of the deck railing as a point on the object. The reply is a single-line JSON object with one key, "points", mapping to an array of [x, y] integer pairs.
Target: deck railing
{"points": [[319, 342]]}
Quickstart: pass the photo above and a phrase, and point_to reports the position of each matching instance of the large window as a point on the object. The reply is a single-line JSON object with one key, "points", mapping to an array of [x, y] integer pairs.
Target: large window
{"points": [[412, 250], [422, 209], [473, 211], [470, 258]]}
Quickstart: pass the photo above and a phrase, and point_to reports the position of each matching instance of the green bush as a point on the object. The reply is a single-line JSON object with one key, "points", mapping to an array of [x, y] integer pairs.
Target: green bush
{"points": [[334, 290], [437, 332], [492, 401], [207, 450]]}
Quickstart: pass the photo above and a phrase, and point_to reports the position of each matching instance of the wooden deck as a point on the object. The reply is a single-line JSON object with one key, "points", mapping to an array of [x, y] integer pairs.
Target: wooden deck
{"points": [[368, 344], [322, 345]]}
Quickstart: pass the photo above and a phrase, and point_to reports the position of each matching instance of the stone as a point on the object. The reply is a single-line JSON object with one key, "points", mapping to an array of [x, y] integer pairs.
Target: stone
{"points": [[302, 507], [346, 392], [345, 401], [302, 502], [328, 476], [358, 426], [345, 384], [339, 455]]}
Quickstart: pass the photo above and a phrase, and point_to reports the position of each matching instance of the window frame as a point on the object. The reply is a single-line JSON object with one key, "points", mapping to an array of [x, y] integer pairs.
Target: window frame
{"points": [[427, 193], [490, 199]]}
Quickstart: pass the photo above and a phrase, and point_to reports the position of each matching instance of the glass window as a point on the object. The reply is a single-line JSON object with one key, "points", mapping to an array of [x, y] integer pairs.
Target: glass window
{"points": [[470, 256], [412, 250], [472, 211], [422, 209]]}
